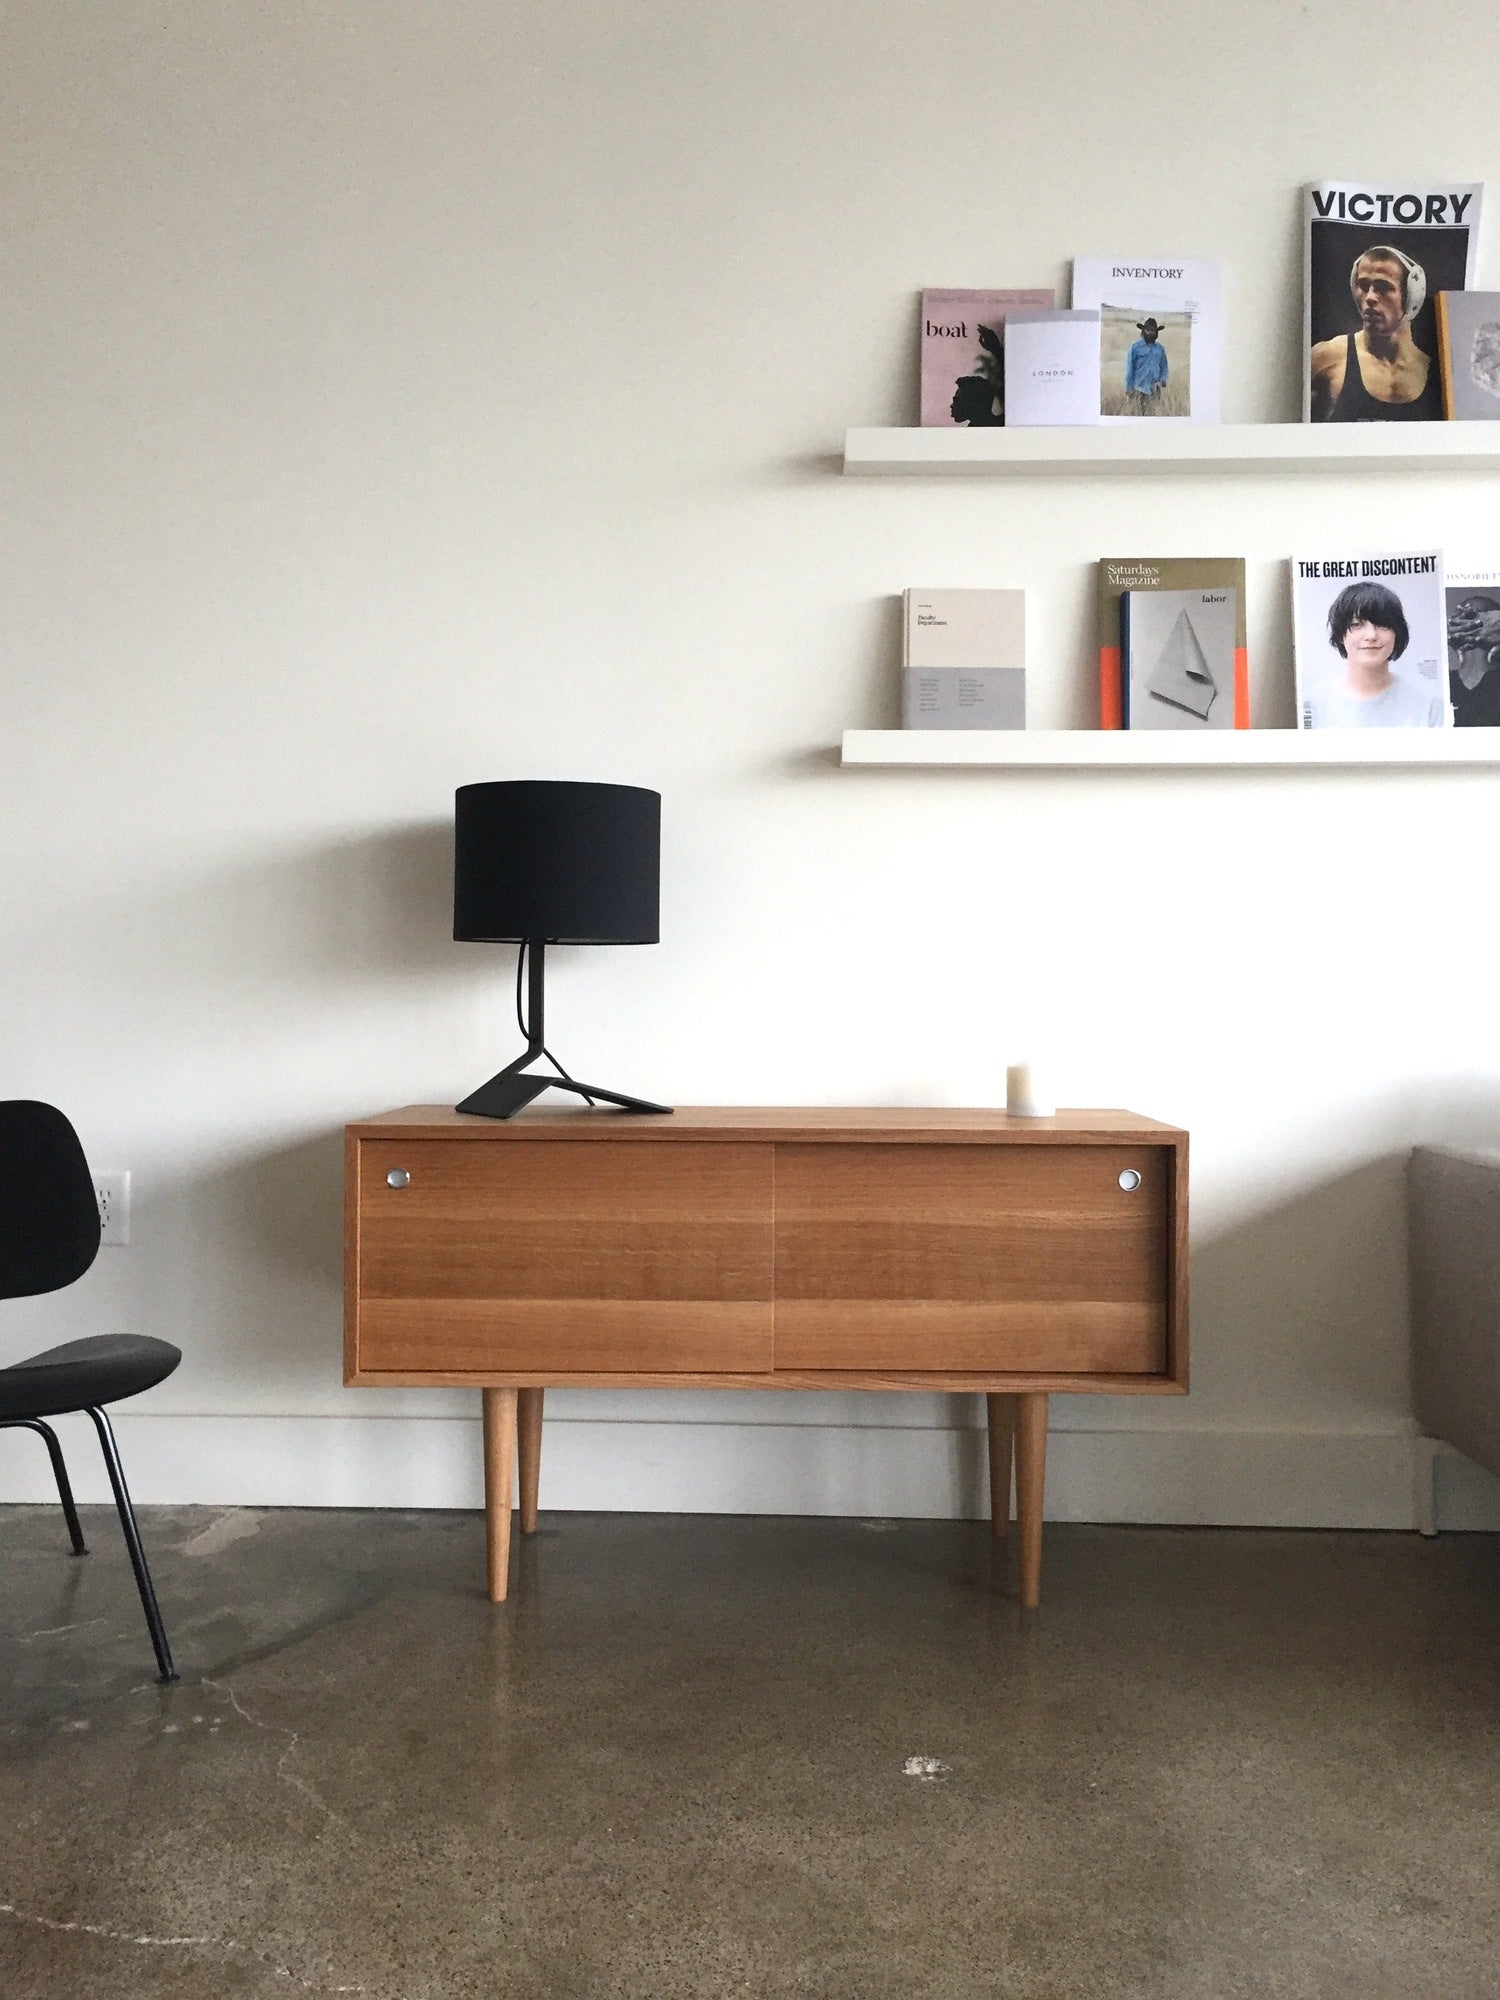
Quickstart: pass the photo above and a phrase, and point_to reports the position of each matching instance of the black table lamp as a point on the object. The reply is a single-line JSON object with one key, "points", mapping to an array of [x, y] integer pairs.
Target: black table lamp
{"points": [[539, 862]]}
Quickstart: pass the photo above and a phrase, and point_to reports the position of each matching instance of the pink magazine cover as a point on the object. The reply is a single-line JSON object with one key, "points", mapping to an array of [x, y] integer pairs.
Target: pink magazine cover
{"points": [[963, 354]]}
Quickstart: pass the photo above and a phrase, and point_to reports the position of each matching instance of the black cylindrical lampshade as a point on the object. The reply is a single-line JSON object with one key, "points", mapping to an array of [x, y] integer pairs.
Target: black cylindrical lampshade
{"points": [[564, 863]]}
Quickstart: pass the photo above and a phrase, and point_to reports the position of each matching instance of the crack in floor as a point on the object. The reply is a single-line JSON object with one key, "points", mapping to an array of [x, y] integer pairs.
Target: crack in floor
{"points": [[284, 1776], [54, 1631], [226, 1947]]}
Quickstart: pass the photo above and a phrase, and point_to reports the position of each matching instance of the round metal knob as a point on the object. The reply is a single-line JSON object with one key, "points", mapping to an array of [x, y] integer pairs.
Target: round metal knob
{"points": [[398, 1177], [1130, 1180]]}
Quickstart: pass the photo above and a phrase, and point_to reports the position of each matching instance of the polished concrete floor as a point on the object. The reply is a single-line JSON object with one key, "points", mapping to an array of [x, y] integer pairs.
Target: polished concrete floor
{"points": [[1214, 1764]]}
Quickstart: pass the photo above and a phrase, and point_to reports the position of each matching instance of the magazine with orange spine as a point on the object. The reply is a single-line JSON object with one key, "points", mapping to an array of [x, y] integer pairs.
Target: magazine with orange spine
{"points": [[1117, 574]]}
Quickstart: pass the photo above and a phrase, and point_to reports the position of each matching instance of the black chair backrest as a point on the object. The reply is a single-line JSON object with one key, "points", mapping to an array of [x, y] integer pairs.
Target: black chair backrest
{"points": [[49, 1218]]}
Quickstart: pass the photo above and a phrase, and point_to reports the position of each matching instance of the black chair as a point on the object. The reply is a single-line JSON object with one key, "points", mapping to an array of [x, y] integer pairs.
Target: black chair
{"points": [[49, 1236]]}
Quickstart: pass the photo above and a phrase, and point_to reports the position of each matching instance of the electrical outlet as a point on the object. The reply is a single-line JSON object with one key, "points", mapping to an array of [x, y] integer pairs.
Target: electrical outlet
{"points": [[112, 1192]]}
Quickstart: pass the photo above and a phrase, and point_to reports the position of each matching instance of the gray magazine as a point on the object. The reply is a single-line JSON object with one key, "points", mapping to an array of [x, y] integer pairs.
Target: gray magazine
{"points": [[1179, 658], [1474, 354]]}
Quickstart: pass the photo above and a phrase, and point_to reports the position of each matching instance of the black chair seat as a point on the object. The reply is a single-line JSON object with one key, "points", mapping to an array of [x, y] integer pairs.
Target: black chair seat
{"points": [[81, 1373], [49, 1236]]}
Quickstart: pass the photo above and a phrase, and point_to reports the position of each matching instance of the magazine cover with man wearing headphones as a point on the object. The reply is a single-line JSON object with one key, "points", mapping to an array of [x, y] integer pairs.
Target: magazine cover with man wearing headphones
{"points": [[1376, 259]]}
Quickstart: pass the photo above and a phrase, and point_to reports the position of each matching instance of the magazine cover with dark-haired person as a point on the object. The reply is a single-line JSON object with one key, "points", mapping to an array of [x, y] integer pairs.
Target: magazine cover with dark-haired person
{"points": [[1371, 644], [963, 354], [1376, 259]]}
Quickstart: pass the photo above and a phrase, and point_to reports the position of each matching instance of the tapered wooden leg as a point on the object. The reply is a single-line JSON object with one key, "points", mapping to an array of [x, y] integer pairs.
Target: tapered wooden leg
{"points": [[499, 1484], [1031, 1479], [1001, 1413], [529, 1432]]}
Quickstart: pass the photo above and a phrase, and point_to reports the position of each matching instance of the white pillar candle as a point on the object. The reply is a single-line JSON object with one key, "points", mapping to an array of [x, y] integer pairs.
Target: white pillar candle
{"points": [[1022, 1098]]}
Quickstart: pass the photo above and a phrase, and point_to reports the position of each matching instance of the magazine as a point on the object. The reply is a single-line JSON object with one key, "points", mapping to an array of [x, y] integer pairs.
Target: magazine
{"points": [[1473, 602], [1052, 367], [1179, 651], [1117, 574], [1161, 336], [1376, 259], [964, 660], [1468, 330], [1370, 642], [963, 354]]}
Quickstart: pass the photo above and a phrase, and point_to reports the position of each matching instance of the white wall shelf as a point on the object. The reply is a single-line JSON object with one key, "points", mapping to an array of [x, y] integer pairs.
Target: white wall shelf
{"points": [[1104, 749], [1168, 447]]}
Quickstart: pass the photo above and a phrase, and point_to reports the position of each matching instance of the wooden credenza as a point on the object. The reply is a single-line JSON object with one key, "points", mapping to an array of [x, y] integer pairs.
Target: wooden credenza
{"points": [[759, 1248]]}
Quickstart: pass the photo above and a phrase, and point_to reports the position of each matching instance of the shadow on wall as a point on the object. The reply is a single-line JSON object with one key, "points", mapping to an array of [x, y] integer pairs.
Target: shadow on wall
{"points": [[1306, 1301], [227, 940], [292, 1205], [371, 906], [253, 1241]]}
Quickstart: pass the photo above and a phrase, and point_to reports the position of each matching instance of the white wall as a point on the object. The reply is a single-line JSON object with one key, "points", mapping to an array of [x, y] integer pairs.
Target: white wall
{"points": [[397, 395]]}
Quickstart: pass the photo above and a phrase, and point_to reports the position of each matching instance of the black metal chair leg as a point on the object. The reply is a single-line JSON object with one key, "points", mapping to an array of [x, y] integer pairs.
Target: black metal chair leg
{"points": [[60, 1472], [133, 1544]]}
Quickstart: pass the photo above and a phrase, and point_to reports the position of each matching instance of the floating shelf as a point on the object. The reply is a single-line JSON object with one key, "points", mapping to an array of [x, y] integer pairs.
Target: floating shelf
{"points": [[1171, 447], [1057, 749]]}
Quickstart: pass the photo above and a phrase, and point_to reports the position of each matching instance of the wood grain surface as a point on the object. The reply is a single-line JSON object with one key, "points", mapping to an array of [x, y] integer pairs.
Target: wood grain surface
{"points": [[576, 1222], [971, 1257], [554, 1339], [1031, 1479], [716, 1123], [529, 1451], [499, 1487], [983, 1260], [948, 1381], [1022, 1336]]}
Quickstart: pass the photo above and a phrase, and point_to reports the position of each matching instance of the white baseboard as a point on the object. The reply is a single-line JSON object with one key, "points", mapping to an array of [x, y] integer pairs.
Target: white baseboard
{"points": [[1176, 1476]]}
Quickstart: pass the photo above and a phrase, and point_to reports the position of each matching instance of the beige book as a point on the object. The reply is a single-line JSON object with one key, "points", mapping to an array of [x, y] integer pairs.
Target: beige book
{"points": [[965, 628], [964, 658]]}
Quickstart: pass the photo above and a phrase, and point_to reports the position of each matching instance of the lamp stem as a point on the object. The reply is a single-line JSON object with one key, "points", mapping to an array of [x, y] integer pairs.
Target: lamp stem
{"points": [[536, 1006]]}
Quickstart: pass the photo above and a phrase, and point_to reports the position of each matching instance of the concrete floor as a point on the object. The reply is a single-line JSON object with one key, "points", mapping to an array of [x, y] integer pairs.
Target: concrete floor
{"points": [[1214, 1764]]}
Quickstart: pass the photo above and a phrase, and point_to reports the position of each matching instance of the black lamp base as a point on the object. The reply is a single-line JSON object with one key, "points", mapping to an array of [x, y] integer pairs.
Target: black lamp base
{"points": [[504, 1095], [515, 1085]]}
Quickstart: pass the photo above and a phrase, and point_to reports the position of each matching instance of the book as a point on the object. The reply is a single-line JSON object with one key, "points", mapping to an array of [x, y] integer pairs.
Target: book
{"points": [[1161, 336], [1375, 260], [1051, 367], [963, 354], [1180, 650], [1118, 574], [1370, 641], [1473, 635], [964, 659], [1468, 336]]}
